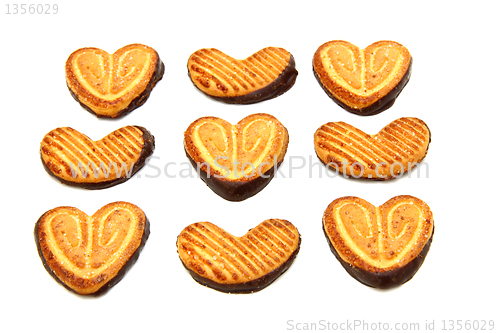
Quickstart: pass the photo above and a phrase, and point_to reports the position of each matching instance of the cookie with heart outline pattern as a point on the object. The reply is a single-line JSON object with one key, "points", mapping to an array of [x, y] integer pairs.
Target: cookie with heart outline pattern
{"points": [[394, 150], [246, 264], [236, 161], [76, 160], [381, 247], [264, 75], [112, 85], [363, 82], [90, 254]]}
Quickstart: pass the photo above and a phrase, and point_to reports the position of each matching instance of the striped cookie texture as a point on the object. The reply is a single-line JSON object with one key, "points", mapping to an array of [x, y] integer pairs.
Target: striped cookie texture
{"points": [[112, 85], [396, 149], [76, 160], [382, 247], [364, 82], [266, 74], [246, 264], [90, 254]]}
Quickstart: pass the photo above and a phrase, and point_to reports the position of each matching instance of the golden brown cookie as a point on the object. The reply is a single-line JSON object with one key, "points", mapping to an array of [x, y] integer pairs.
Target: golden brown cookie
{"points": [[74, 159], [112, 85], [364, 82], [382, 247], [396, 149], [236, 161], [246, 264], [90, 254], [266, 74]]}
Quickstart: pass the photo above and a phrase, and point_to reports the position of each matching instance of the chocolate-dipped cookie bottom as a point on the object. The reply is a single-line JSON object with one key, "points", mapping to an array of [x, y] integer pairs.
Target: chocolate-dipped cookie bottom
{"points": [[136, 102], [367, 177], [250, 286], [380, 105], [117, 278], [278, 87], [235, 190], [384, 279], [147, 150]]}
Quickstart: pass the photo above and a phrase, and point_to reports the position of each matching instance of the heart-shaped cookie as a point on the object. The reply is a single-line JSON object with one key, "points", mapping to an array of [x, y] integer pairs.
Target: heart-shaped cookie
{"points": [[396, 149], [266, 74], [74, 159], [90, 254], [244, 264], [382, 247], [112, 85], [236, 161], [363, 82]]}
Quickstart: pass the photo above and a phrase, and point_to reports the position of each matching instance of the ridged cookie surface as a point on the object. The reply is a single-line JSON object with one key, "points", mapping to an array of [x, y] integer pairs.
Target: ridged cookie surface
{"points": [[244, 264], [90, 254], [382, 247], [396, 149], [363, 82], [266, 74], [112, 85], [74, 159], [236, 161]]}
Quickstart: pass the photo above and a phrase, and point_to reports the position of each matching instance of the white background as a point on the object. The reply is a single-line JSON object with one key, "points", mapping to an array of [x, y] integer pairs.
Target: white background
{"points": [[453, 88]]}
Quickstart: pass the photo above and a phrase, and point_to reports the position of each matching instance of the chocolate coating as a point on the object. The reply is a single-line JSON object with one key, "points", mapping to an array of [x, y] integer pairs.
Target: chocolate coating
{"points": [[147, 150], [387, 279], [136, 102], [235, 190], [121, 273], [278, 87], [380, 105], [247, 287], [374, 178]]}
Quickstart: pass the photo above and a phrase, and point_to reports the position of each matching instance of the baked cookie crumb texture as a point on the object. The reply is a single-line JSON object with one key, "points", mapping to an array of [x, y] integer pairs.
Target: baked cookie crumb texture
{"points": [[396, 149], [236, 161], [90, 254], [246, 264], [112, 85], [362, 81], [76, 160], [266, 74], [382, 247]]}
